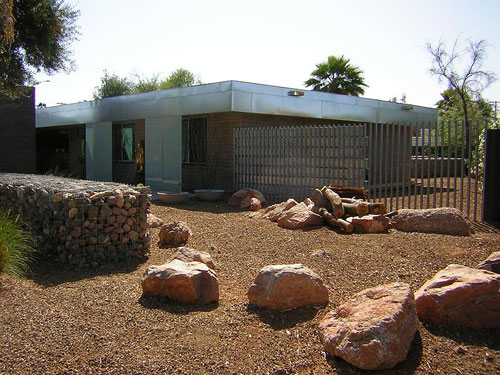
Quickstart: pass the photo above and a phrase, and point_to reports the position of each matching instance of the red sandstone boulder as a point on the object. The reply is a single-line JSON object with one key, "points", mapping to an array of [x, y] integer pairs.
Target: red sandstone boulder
{"points": [[492, 263], [191, 282], [274, 212], [369, 223], [443, 220], [460, 295], [187, 254], [153, 221], [174, 234], [286, 287], [251, 204], [244, 196], [374, 329], [299, 216]]}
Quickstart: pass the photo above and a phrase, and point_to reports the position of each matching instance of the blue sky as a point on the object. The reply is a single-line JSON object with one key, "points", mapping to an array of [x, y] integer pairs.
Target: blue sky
{"points": [[273, 42]]}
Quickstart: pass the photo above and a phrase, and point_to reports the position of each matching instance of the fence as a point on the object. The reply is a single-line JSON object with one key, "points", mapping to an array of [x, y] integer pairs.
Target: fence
{"points": [[285, 162], [403, 165]]}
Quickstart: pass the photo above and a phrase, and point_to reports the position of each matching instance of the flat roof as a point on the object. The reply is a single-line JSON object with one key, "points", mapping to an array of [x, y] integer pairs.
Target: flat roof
{"points": [[234, 96]]}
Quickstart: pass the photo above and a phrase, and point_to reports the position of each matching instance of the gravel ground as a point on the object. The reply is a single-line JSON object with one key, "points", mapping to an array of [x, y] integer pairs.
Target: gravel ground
{"points": [[96, 322]]}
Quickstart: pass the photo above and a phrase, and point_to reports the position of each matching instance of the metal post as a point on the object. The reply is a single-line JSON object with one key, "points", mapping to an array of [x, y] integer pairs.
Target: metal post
{"points": [[398, 163]]}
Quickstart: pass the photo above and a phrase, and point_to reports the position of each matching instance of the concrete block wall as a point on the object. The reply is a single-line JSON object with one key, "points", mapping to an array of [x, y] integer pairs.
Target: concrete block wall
{"points": [[17, 129], [218, 171]]}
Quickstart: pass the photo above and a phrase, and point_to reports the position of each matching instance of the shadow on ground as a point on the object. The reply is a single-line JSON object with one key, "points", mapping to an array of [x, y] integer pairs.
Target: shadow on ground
{"points": [[49, 274], [282, 320], [172, 306], [406, 367], [486, 337], [214, 207]]}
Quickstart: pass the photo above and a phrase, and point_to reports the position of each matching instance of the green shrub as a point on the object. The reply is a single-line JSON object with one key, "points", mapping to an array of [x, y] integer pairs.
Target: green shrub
{"points": [[16, 245]]}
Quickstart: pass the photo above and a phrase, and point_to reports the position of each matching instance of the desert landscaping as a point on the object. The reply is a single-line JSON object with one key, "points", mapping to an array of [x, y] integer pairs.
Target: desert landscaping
{"points": [[98, 321]]}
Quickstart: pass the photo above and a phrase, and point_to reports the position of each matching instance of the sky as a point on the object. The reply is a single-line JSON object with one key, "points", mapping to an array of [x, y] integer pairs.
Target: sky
{"points": [[273, 42]]}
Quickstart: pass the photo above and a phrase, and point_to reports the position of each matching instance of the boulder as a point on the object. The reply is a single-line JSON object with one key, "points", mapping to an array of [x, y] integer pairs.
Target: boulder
{"points": [[369, 223], [154, 221], [492, 263], [274, 212], [238, 197], [460, 295], [251, 204], [374, 329], [174, 234], [299, 216], [187, 254], [286, 287], [191, 282], [443, 220]]}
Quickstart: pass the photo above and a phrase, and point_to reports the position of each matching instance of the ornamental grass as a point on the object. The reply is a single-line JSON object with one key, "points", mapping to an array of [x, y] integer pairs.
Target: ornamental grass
{"points": [[16, 245]]}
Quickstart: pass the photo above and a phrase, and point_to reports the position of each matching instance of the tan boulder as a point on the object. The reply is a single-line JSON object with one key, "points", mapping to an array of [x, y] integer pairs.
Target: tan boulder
{"points": [[191, 282], [154, 221], [251, 204], [374, 329], [369, 223], [460, 295], [238, 197], [444, 220], [174, 234], [187, 254], [286, 287], [299, 216], [274, 212], [492, 263]]}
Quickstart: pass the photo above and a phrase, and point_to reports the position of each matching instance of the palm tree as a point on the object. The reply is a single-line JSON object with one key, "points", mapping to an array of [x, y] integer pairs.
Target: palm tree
{"points": [[338, 76]]}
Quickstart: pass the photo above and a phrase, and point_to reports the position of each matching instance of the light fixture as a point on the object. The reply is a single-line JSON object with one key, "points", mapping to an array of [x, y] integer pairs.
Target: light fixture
{"points": [[406, 107], [295, 93]]}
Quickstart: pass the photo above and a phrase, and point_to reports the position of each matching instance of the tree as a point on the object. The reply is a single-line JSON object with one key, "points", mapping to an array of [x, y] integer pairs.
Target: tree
{"points": [[468, 80], [450, 110], [36, 36], [180, 78], [338, 76], [113, 85], [145, 84]]}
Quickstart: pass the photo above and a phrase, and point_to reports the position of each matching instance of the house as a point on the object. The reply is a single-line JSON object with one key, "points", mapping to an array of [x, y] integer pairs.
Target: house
{"points": [[184, 137]]}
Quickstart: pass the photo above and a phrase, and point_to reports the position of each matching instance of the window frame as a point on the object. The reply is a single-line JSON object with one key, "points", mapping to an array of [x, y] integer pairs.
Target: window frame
{"points": [[117, 134], [187, 145]]}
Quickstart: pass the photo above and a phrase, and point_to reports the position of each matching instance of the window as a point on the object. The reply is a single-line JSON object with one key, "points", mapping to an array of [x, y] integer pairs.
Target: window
{"points": [[123, 142], [194, 140]]}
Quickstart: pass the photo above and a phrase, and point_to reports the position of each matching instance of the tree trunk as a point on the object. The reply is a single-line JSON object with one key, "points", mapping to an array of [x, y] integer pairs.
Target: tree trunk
{"points": [[335, 200], [332, 220], [358, 209]]}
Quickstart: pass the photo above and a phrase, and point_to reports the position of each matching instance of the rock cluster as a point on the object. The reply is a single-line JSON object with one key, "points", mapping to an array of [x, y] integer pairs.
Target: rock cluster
{"points": [[80, 223], [326, 206]]}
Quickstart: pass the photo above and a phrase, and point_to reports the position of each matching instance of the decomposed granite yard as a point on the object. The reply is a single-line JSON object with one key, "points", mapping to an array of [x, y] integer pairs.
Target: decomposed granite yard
{"points": [[63, 321]]}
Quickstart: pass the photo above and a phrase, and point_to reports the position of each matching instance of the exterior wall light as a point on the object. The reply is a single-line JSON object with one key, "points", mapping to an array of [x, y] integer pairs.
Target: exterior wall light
{"points": [[295, 93], [406, 107]]}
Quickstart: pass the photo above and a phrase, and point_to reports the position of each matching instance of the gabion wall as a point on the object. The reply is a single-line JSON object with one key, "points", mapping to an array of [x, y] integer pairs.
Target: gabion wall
{"points": [[80, 223]]}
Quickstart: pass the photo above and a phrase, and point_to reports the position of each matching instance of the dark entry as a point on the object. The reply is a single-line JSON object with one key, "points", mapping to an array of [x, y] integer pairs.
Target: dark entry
{"points": [[61, 151], [491, 201]]}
